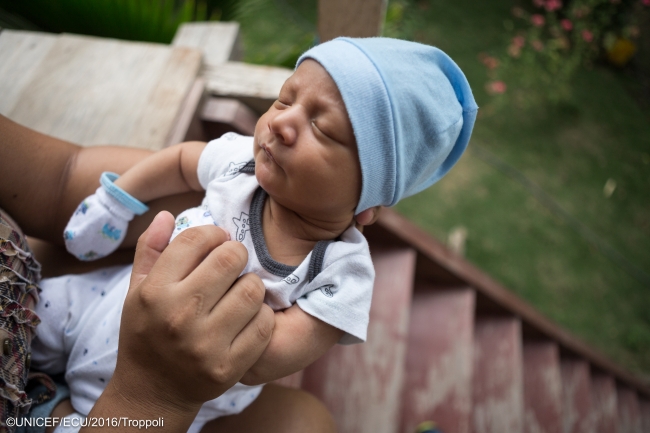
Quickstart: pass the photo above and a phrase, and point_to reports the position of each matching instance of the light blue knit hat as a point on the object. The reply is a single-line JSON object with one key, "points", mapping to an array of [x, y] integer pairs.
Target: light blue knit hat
{"points": [[411, 109]]}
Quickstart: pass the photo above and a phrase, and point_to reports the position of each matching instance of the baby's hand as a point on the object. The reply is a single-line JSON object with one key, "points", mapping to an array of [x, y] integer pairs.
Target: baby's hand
{"points": [[97, 227], [99, 224]]}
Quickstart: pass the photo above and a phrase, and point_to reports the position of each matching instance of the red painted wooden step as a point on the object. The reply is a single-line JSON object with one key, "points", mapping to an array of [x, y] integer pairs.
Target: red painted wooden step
{"points": [[644, 409], [361, 385], [603, 403], [542, 388], [439, 360], [576, 396], [497, 384], [629, 418]]}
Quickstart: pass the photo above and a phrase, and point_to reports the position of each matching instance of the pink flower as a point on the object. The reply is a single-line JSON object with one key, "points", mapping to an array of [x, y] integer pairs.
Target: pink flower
{"points": [[538, 3], [490, 62], [496, 87], [538, 45], [518, 12], [518, 41], [537, 20], [646, 2], [587, 36], [553, 5], [566, 25], [514, 51]]}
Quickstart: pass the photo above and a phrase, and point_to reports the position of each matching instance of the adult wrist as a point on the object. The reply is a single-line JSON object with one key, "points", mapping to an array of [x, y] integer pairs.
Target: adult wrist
{"points": [[131, 401]]}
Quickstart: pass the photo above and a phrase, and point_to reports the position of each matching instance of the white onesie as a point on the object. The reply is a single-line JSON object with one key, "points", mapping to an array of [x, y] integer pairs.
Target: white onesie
{"points": [[81, 313]]}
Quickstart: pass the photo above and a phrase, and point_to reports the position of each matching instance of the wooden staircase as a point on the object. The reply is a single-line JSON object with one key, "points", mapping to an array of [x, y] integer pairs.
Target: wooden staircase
{"points": [[447, 343]]}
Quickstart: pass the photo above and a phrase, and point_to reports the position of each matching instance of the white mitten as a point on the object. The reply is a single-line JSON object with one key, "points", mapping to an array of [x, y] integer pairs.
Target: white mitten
{"points": [[99, 224]]}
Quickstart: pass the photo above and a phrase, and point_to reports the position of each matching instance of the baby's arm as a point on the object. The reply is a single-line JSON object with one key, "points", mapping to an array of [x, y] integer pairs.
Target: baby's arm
{"points": [[99, 225], [171, 171], [298, 340]]}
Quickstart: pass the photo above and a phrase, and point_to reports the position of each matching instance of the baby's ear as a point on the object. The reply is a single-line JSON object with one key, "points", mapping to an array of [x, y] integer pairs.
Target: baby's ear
{"points": [[368, 216]]}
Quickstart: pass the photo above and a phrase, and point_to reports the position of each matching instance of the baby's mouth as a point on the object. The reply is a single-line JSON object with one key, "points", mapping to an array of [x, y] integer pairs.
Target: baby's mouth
{"points": [[268, 152]]}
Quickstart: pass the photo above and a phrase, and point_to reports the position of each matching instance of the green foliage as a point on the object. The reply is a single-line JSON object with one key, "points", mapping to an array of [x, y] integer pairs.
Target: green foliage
{"points": [[277, 32], [142, 20], [569, 149], [549, 41]]}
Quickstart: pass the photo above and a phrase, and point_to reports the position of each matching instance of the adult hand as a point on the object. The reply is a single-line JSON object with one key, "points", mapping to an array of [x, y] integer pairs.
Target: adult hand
{"points": [[186, 335]]}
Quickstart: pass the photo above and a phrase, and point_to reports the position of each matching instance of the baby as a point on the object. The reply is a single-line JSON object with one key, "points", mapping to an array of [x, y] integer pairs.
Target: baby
{"points": [[361, 123]]}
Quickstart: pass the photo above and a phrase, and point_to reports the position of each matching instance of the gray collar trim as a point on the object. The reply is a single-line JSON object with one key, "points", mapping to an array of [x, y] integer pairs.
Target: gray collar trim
{"points": [[267, 262], [257, 234], [249, 167], [316, 261]]}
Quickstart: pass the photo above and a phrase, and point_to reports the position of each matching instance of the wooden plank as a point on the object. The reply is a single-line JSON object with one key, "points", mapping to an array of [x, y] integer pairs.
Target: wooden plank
{"points": [[21, 54], [603, 403], [438, 383], [576, 396], [497, 384], [361, 385], [438, 255], [218, 41], [629, 416], [102, 91], [85, 87], [256, 86], [187, 126], [155, 125], [356, 18], [644, 409], [542, 388], [221, 115]]}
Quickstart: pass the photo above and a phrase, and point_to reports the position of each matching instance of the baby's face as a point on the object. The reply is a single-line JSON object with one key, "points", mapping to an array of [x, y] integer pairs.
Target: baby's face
{"points": [[305, 151]]}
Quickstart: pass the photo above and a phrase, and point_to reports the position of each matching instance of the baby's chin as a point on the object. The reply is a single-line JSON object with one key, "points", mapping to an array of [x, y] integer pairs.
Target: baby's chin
{"points": [[261, 174]]}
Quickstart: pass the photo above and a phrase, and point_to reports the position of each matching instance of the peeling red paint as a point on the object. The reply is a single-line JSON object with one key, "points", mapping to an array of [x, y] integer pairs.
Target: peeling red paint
{"points": [[644, 410], [604, 407], [629, 420], [361, 385], [542, 388], [439, 360], [576, 396], [497, 384]]}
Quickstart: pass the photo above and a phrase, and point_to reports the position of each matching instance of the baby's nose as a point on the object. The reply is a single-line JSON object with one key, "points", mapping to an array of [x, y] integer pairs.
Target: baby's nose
{"points": [[284, 128]]}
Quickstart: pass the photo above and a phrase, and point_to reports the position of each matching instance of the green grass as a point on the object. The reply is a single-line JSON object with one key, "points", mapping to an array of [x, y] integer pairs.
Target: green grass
{"points": [[569, 151], [277, 32]]}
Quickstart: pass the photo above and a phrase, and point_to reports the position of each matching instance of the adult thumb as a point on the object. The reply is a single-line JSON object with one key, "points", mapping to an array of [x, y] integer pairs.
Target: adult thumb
{"points": [[150, 246]]}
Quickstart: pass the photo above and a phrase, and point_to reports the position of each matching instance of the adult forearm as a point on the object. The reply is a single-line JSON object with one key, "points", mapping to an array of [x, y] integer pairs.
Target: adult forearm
{"points": [[34, 168], [124, 412], [43, 179]]}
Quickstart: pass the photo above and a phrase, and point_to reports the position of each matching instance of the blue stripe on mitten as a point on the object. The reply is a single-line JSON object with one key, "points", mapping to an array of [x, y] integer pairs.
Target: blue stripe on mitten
{"points": [[97, 227]]}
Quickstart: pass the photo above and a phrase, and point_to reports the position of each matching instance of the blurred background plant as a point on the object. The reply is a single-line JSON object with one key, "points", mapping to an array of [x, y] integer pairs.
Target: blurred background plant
{"points": [[140, 20], [550, 39]]}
